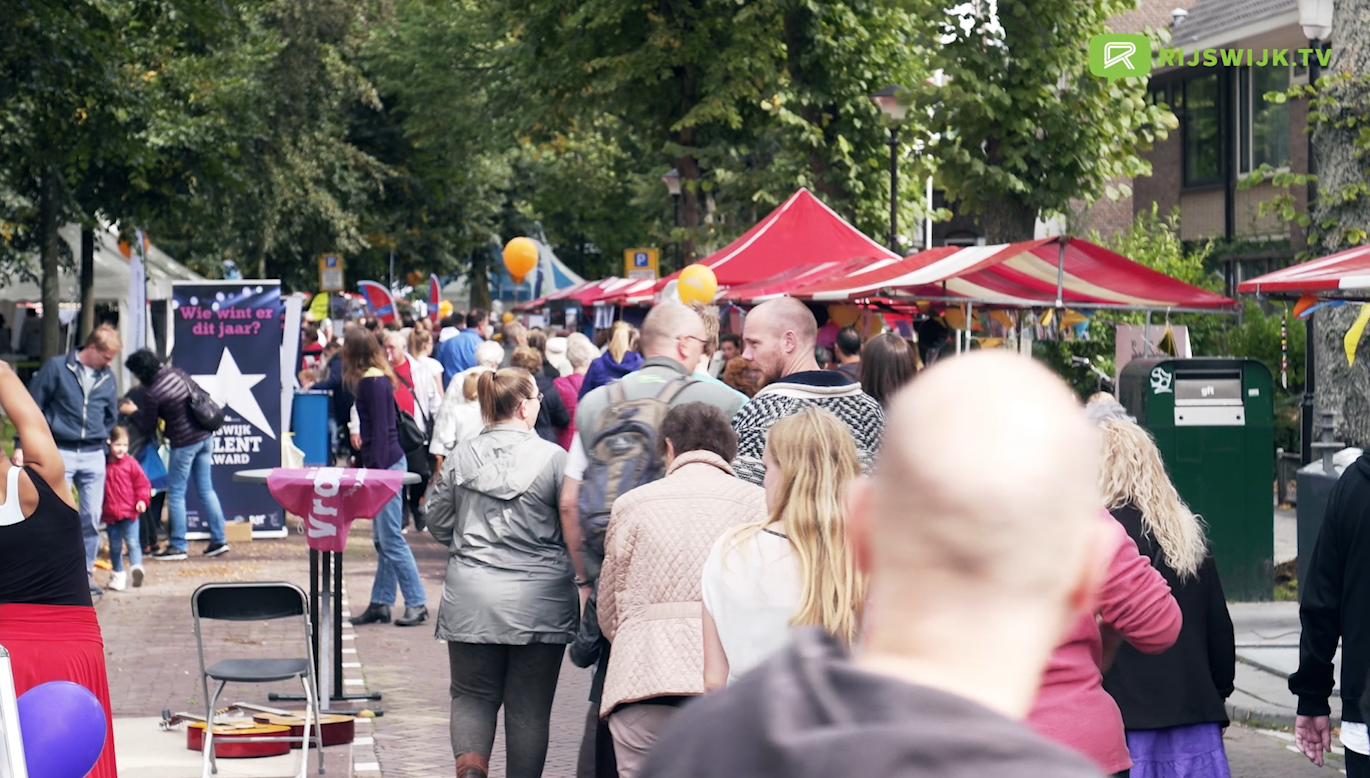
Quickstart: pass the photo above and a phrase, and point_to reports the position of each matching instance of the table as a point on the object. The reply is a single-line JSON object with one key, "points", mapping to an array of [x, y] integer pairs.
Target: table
{"points": [[325, 593]]}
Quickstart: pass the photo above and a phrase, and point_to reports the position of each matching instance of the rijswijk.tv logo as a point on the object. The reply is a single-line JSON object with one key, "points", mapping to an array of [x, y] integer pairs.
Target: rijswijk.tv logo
{"points": [[1124, 55]]}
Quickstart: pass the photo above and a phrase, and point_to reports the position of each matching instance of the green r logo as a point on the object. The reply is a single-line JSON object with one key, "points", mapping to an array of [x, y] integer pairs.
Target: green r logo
{"points": [[1118, 55]]}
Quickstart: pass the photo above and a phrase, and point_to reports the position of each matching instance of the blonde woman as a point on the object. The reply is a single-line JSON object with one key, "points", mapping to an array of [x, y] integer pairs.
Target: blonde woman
{"points": [[1172, 702], [794, 568], [620, 358]]}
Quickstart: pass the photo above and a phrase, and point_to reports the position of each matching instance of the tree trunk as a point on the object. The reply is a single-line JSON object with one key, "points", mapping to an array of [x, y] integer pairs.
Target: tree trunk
{"points": [[1341, 388], [87, 282], [478, 280], [1006, 220], [49, 192], [688, 167]]}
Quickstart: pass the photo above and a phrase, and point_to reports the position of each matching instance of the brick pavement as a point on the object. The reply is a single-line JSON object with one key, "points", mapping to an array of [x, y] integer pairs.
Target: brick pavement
{"points": [[409, 666]]}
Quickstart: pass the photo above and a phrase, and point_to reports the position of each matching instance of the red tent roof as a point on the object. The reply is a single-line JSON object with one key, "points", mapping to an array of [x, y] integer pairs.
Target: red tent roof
{"points": [[872, 276], [1026, 275], [1345, 271], [802, 231]]}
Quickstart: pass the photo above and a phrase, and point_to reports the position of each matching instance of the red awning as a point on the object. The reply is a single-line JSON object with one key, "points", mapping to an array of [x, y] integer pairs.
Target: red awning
{"points": [[794, 278], [559, 294], [1030, 274], [1345, 271], [870, 277]]}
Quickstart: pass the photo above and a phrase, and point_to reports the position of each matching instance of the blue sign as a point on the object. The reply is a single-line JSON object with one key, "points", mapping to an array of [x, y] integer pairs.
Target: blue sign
{"points": [[228, 337], [641, 259]]}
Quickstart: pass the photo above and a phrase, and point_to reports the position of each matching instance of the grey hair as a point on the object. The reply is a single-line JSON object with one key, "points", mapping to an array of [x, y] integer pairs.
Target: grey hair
{"points": [[489, 354], [580, 350]]}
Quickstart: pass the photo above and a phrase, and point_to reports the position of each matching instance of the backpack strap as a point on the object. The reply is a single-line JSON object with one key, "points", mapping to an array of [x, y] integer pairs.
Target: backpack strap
{"points": [[616, 393], [673, 388]]}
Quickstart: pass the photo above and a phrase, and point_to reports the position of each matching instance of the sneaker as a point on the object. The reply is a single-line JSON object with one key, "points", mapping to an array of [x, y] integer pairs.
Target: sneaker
{"points": [[216, 549], [170, 554], [119, 581], [137, 575]]}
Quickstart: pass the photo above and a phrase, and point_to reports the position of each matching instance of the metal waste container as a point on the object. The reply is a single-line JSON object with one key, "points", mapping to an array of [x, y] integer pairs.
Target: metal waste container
{"points": [[309, 422], [1213, 420]]}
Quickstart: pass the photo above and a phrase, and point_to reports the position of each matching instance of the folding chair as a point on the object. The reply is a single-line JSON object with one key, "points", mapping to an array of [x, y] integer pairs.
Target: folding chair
{"points": [[256, 601]]}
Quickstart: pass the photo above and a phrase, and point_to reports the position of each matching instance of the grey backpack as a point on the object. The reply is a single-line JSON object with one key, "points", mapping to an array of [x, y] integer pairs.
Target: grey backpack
{"points": [[623, 456]]}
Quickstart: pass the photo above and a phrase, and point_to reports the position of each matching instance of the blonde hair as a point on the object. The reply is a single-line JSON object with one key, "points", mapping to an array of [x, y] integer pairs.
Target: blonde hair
{"points": [[1132, 473], [621, 340], [817, 460], [708, 316]]}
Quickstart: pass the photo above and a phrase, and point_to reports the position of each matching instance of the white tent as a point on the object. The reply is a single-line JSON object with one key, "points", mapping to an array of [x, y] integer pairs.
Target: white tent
{"points": [[111, 281]]}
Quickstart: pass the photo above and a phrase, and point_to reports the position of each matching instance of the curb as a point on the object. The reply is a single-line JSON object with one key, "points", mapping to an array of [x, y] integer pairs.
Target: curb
{"points": [[365, 760]]}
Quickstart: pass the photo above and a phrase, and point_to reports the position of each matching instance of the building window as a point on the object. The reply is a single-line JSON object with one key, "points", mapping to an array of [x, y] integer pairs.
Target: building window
{"points": [[1200, 111], [1262, 126]]}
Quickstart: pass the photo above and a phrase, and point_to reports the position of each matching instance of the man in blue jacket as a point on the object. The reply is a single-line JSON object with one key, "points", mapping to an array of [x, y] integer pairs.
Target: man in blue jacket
{"points": [[459, 353], [77, 395]]}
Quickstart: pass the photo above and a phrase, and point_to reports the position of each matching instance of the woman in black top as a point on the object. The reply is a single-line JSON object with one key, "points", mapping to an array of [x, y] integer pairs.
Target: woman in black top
{"points": [[1172, 702], [46, 620]]}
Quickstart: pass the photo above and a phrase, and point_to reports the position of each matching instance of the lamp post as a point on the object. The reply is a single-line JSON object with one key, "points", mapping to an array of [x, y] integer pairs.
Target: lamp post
{"points": [[1315, 16], [672, 181], [887, 100]]}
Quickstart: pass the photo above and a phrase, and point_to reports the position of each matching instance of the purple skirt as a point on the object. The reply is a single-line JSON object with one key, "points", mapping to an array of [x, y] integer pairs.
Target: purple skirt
{"points": [[1193, 751]]}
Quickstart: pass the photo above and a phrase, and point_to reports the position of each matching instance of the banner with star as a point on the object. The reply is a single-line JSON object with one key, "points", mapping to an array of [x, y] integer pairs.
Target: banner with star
{"points": [[228, 338]]}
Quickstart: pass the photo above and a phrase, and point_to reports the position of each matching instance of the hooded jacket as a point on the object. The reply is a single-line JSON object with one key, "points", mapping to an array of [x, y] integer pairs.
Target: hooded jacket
{"points": [[1335, 600], [509, 576], [168, 398], [604, 370], [810, 713]]}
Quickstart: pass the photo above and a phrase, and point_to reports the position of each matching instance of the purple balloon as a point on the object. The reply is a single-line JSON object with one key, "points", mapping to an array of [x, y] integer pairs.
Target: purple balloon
{"points": [[64, 729]]}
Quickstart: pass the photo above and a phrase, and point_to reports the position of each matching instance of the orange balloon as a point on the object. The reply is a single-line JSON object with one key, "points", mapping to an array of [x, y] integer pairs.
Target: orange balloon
{"points": [[843, 315], [125, 249], [520, 257]]}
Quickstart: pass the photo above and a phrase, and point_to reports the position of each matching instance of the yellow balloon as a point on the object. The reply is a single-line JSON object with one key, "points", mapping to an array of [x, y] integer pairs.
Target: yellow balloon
{"points": [[697, 283], [507, 317], [520, 257], [444, 309], [843, 315]]}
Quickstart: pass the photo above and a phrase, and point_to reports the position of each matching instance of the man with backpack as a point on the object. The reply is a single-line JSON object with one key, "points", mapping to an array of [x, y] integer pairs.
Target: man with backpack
{"points": [[615, 450]]}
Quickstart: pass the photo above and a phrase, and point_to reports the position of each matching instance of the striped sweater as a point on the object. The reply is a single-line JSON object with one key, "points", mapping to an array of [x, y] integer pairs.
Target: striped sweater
{"points": [[820, 388]]}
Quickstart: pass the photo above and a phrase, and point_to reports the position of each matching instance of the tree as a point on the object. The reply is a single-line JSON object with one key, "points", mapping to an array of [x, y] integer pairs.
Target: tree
{"points": [[1022, 126]]}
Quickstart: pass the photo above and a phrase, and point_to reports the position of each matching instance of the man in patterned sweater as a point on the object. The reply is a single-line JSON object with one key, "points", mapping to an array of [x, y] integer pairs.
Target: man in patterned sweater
{"points": [[779, 338]]}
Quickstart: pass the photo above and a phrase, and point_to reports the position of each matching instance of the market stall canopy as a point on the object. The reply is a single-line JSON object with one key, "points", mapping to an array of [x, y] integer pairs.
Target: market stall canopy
{"points": [[1344, 274], [796, 277], [870, 277], [111, 271], [560, 294], [1046, 272]]}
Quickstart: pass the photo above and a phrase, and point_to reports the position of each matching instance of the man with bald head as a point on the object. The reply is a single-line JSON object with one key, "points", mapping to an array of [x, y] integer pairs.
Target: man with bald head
{"points": [[976, 569], [779, 338]]}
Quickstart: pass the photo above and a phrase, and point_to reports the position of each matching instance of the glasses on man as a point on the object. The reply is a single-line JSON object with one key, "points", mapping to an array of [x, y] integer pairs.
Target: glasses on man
{"points": [[702, 341]]}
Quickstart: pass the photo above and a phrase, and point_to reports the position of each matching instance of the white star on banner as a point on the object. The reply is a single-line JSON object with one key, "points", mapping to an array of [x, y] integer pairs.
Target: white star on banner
{"points": [[230, 388]]}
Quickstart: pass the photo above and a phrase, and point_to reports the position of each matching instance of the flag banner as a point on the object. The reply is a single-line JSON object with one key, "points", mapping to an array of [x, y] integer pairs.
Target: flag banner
{"points": [[228, 338], [379, 300], [434, 298]]}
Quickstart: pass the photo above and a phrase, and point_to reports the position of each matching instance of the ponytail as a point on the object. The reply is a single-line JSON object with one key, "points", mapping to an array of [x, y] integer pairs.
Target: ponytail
{"points": [[501, 391], [620, 340]]}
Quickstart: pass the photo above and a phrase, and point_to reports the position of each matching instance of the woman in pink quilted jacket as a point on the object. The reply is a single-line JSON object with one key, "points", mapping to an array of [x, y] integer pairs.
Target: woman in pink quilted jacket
{"points": [[650, 604]]}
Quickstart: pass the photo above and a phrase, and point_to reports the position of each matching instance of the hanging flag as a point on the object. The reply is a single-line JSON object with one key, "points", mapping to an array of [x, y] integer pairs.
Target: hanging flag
{"points": [[318, 307], [1301, 307], [379, 300], [1353, 335], [434, 298], [1284, 352], [1167, 343], [1325, 304]]}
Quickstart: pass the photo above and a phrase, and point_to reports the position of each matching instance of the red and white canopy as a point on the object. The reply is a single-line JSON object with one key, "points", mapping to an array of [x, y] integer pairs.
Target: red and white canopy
{"points": [[1345, 271], [1050, 271]]}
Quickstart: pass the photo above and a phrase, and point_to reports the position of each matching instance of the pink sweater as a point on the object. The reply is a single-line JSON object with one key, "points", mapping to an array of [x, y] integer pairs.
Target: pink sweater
{"points": [[1072, 707]]}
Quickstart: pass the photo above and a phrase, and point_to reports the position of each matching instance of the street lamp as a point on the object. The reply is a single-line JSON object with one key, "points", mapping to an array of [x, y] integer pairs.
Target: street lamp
{"points": [[672, 181], [1315, 16], [887, 100]]}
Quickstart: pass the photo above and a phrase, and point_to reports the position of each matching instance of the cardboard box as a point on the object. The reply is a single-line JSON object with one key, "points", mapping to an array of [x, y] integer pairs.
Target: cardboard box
{"points": [[238, 531]]}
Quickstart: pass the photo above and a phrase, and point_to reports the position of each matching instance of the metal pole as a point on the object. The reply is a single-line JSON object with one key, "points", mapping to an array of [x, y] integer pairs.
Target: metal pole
{"points": [[894, 189], [392, 268], [1309, 338], [927, 223], [676, 199]]}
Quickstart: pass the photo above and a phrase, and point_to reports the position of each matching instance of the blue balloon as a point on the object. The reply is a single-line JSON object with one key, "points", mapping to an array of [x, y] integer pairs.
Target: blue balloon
{"points": [[64, 729]]}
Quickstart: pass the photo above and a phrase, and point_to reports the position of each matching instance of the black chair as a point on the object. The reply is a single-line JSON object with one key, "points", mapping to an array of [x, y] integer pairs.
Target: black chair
{"points": [[256, 601]]}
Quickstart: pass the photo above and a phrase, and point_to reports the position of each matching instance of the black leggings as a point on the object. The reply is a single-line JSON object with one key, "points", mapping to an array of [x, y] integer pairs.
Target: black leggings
{"points": [[522, 679]]}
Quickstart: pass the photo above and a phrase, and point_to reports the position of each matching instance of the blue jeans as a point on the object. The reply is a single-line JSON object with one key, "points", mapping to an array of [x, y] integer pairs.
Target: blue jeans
{"points": [[394, 561], [86, 472], [196, 459], [121, 532]]}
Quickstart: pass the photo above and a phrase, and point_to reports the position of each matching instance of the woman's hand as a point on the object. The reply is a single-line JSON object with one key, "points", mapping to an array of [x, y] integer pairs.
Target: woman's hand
{"points": [[127, 407]]}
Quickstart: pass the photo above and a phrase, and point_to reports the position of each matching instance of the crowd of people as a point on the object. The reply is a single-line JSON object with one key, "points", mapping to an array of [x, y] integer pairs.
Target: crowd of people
{"points": [[751, 543]]}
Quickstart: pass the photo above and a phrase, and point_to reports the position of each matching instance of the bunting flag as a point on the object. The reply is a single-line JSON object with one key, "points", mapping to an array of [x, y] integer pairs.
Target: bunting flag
{"points": [[1353, 335], [955, 318], [1301, 307], [1284, 352], [318, 307], [1324, 304], [434, 297], [379, 300], [1004, 318], [990, 342], [1167, 343]]}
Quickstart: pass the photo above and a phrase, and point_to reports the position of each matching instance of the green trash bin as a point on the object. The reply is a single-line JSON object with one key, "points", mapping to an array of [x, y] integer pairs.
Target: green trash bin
{"points": [[1213, 420]]}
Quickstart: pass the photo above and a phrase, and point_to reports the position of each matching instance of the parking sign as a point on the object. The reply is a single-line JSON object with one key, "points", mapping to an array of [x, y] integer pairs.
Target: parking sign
{"points": [[641, 263]]}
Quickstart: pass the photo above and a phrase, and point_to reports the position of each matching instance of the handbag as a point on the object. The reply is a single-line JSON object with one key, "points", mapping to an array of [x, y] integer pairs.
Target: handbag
{"points": [[412, 436], [154, 468], [207, 413]]}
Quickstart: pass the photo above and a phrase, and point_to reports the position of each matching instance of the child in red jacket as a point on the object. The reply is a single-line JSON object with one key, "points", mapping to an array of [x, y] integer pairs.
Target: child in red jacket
{"points": [[127, 492]]}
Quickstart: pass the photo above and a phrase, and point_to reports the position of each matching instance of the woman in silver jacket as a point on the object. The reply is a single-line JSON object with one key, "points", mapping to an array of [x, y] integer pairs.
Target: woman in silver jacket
{"points": [[510, 605]]}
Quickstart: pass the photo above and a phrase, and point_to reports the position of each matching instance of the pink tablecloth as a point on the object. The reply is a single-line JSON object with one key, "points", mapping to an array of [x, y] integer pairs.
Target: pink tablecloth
{"points": [[331, 498]]}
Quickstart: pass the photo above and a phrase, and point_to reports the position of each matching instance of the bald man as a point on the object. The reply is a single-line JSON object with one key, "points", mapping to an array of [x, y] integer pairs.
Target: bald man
{"points": [[779, 338], [975, 574]]}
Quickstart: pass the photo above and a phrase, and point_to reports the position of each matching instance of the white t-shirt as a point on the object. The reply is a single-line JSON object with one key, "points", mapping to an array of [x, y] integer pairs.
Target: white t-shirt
{"points": [[577, 460], [751, 589], [1355, 737]]}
